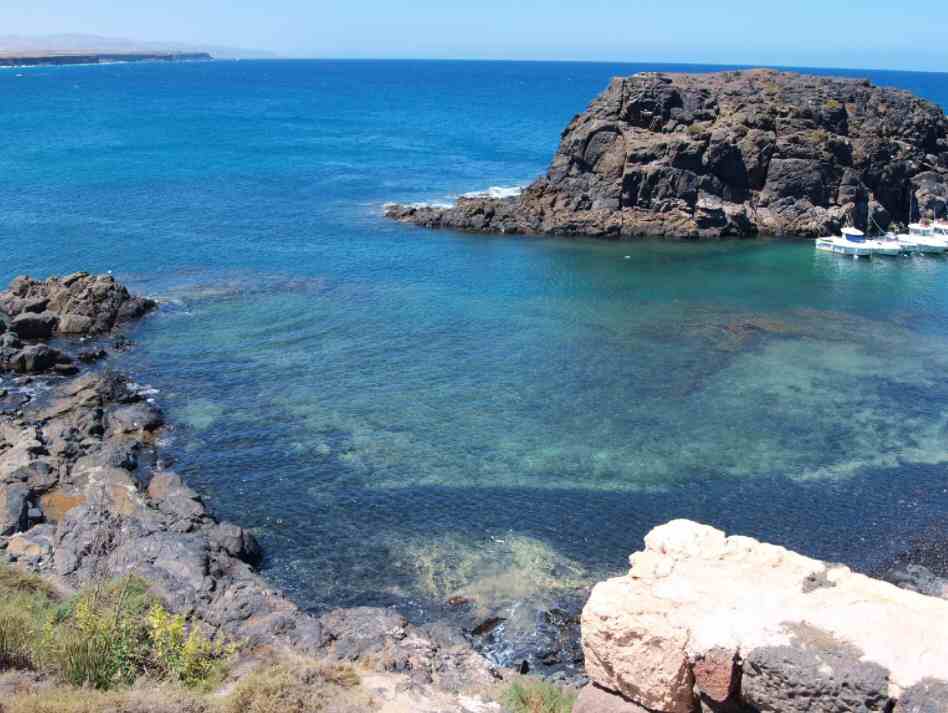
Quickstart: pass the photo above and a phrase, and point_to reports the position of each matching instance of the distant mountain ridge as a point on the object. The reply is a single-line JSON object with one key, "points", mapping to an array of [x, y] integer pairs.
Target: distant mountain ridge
{"points": [[69, 44]]}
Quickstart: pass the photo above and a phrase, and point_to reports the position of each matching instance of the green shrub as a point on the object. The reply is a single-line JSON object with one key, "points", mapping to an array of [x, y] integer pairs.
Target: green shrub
{"points": [[536, 696], [99, 639], [17, 633], [27, 605], [106, 636], [187, 656]]}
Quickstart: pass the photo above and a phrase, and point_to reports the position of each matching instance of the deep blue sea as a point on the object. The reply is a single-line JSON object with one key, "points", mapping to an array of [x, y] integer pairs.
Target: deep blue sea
{"points": [[402, 415]]}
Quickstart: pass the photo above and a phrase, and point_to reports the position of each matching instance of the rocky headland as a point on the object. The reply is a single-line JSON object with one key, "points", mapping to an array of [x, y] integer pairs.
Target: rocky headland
{"points": [[34, 59], [726, 154]]}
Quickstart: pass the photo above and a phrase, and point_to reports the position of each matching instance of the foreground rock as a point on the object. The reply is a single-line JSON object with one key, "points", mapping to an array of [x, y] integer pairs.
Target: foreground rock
{"points": [[726, 154], [708, 622]]}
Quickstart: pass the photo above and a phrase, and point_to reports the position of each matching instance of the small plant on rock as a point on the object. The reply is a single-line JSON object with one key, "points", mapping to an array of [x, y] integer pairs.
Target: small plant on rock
{"points": [[187, 656], [536, 696]]}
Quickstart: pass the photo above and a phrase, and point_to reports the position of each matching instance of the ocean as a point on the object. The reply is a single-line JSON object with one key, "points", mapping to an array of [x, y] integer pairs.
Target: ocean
{"points": [[404, 416]]}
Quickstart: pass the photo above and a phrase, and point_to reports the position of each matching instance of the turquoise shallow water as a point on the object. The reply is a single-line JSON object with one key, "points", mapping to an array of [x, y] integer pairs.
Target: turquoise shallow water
{"points": [[403, 415]]}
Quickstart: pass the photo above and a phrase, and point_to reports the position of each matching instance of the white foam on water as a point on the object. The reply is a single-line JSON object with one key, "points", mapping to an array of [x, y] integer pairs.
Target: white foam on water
{"points": [[434, 204], [497, 192], [494, 192], [418, 205]]}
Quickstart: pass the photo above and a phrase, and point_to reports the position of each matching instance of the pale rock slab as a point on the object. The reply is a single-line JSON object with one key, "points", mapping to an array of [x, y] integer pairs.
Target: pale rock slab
{"points": [[803, 635]]}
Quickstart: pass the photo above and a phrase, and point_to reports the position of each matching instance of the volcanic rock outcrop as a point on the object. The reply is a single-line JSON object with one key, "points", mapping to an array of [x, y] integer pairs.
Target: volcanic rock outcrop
{"points": [[77, 305], [705, 622], [727, 154]]}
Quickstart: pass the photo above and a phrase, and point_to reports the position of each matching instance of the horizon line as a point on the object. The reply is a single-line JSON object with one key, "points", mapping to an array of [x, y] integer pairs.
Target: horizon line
{"points": [[735, 65]]}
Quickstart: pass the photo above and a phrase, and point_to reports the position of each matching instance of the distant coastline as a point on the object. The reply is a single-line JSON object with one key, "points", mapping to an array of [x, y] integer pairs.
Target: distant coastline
{"points": [[33, 59]]}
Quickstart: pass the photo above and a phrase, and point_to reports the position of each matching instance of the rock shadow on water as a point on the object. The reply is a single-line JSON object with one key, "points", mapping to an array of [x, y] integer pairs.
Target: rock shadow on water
{"points": [[513, 565]]}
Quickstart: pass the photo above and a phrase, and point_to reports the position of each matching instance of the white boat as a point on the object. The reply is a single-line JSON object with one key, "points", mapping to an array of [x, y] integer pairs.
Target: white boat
{"points": [[926, 239], [853, 242], [909, 246]]}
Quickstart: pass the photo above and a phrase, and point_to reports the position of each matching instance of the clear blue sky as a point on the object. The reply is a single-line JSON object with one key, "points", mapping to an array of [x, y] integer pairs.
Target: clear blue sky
{"points": [[894, 35]]}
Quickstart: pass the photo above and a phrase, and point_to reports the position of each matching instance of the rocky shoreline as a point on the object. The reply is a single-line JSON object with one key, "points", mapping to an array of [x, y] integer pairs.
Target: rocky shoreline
{"points": [[727, 154], [85, 495]]}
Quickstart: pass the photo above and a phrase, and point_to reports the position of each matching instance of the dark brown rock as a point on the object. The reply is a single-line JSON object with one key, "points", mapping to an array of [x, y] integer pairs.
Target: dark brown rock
{"points": [[14, 506], [726, 154], [35, 359], [29, 325], [717, 675]]}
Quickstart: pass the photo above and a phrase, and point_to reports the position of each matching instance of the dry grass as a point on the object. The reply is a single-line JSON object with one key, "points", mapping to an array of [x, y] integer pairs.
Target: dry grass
{"points": [[299, 687], [13, 581], [289, 688], [164, 699], [536, 696]]}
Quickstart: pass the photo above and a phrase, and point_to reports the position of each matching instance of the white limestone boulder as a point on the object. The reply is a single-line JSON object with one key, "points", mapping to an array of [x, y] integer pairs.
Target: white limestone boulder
{"points": [[702, 618]]}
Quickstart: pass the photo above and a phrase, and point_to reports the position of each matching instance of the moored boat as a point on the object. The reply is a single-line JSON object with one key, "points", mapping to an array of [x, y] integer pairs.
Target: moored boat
{"points": [[940, 229], [852, 242], [926, 238]]}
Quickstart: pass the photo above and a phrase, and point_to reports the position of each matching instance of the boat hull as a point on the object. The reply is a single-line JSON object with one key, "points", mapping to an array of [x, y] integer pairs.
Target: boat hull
{"points": [[841, 248]]}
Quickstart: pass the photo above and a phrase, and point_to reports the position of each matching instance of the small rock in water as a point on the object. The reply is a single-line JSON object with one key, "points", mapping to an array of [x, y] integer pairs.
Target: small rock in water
{"points": [[487, 626], [90, 356]]}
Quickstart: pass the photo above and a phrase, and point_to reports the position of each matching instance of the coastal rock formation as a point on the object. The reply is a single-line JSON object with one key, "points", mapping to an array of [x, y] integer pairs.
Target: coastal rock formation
{"points": [[727, 154], [706, 622], [77, 305], [38, 59]]}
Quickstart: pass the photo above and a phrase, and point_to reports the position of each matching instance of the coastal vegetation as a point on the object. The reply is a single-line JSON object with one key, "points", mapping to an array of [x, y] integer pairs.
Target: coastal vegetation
{"points": [[538, 696], [104, 637], [115, 647]]}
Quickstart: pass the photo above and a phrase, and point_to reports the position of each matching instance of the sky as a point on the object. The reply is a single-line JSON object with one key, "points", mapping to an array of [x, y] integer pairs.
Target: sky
{"points": [[827, 33]]}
